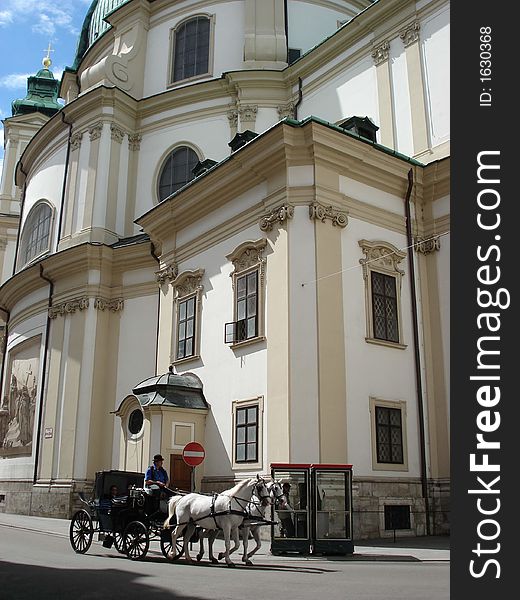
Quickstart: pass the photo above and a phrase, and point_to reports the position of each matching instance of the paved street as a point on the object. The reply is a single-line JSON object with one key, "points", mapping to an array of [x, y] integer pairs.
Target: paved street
{"points": [[36, 561]]}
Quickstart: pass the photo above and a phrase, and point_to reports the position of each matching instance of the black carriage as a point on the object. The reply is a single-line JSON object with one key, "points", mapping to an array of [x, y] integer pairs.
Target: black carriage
{"points": [[129, 520]]}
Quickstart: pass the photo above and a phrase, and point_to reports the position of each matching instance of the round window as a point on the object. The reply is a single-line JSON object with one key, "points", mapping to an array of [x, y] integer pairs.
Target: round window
{"points": [[135, 421]]}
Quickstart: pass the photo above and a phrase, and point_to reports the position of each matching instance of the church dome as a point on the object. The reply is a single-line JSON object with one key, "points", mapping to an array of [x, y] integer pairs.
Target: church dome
{"points": [[94, 25]]}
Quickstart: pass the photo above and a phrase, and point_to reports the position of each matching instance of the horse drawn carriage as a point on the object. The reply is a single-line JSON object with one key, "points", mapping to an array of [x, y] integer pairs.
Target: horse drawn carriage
{"points": [[122, 513], [131, 518]]}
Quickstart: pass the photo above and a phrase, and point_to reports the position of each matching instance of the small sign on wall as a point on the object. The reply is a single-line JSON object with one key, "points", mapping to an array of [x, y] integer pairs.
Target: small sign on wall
{"points": [[49, 432]]}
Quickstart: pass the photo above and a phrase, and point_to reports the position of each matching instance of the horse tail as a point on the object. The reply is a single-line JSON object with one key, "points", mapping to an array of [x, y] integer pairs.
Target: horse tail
{"points": [[171, 509]]}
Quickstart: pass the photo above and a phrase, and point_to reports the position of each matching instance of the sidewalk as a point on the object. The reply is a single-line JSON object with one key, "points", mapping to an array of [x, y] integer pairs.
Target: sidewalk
{"points": [[427, 548]]}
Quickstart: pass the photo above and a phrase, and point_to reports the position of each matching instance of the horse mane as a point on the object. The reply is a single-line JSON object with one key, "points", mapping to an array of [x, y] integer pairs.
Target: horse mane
{"points": [[236, 488]]}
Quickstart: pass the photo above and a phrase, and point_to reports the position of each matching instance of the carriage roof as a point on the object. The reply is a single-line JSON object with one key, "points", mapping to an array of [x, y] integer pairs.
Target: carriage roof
{"points": [[122, 479]]}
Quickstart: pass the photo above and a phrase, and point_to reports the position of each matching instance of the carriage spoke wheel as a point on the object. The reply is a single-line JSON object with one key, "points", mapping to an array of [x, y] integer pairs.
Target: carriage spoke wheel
{"points": [[81, 531], [118, 543], [166, 547], [136, 540]]}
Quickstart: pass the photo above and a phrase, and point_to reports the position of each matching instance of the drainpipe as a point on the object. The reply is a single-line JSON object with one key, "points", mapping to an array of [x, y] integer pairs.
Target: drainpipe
{"points": [[152, 252], [65, 174], [286, 23], [300, 97], [44, 374], [418, 381]]}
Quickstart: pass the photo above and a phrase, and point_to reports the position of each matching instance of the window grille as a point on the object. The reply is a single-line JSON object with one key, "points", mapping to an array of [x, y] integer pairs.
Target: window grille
{"points": [[191, 49], [36, 237], [389, 434], [177, 171], [246, 434], [384, 307]]}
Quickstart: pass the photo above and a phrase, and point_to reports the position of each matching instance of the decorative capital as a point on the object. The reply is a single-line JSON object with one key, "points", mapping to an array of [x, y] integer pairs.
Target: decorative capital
{"points": [[380, 52], [113, 305], [248, 112], [381, 255], [321, 213], [134, 141], [280, 215], [75, 141], [188, 283], [286, 110], [116, 133], [427, 245], [168, 273], [95, 131], [410, 34], [68, 307], [232, 116]]}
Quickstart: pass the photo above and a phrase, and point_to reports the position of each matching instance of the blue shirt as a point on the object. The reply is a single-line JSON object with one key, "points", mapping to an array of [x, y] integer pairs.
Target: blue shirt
{"points": [[156, 474]]}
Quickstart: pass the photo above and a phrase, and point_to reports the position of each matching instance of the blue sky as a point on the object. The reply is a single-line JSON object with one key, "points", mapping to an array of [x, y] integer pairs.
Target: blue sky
{"points": [[26, 28]]}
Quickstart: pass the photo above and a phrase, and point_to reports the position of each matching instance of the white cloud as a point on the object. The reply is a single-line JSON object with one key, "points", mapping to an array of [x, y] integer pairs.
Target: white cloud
{"points": [[6, 17], [15, 81]]}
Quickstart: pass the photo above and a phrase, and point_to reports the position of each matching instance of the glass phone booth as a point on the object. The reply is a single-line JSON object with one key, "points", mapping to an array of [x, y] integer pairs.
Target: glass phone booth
{"points": [[317, 517]]}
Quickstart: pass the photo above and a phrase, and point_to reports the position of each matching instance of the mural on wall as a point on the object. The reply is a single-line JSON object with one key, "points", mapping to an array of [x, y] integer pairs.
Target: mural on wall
{"points": [[18, 405]]}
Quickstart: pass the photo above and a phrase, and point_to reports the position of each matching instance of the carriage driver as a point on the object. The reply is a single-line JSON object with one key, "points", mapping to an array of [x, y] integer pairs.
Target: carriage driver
{"points": [[156, 475]]}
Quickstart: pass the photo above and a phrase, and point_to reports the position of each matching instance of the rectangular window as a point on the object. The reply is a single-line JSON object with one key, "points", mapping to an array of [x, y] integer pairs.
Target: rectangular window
{"points": [[384, 307], [246, 434], [186, 328], [389, 435], [246, 306]]}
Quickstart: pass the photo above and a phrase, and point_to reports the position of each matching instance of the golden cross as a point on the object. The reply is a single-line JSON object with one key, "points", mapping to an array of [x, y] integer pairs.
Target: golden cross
{"points": [[49, 50]]}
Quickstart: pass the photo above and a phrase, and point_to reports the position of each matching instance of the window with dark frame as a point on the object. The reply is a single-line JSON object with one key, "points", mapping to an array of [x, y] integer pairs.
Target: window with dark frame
{"points": [[384, 307], [389, 435], [246, 434], [191, 49], [186, 327], [246, 306], [37, 232], [177, 171]]}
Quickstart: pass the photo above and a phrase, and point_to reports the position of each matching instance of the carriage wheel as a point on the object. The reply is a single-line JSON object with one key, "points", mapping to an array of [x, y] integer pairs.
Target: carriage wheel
{"points": [[166, 547], [118, 543], [81, 531], [136, 540]]}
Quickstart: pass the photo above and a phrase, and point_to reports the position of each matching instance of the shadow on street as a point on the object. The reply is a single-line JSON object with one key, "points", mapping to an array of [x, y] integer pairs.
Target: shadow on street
{"points": [[21, 582]]}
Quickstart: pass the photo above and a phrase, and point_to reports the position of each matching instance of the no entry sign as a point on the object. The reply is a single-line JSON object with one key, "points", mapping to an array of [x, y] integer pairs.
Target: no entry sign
{"points": [[193, 454]]}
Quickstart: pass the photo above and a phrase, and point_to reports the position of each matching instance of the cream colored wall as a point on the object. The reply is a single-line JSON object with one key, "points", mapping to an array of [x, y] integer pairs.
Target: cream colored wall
{"points": [[375, 371]]}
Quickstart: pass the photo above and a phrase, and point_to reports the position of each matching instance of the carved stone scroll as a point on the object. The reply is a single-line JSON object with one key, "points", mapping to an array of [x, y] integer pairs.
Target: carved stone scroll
{"points": [[321, 213]]}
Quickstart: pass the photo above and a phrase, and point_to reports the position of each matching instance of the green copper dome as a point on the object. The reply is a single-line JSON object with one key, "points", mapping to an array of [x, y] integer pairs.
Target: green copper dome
{"points": [[94, 25], [42, 95]]}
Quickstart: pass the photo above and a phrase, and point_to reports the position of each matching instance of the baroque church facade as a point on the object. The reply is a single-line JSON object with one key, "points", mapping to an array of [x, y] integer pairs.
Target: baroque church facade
{"points": [[233, 230]]}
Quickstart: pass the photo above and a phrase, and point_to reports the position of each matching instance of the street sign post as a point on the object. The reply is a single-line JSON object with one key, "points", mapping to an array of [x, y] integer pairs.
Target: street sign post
{"points": [[193, 454]]}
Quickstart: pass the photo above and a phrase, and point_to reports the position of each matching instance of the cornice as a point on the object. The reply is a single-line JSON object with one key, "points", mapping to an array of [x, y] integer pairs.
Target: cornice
{"points": [[436, 180]]}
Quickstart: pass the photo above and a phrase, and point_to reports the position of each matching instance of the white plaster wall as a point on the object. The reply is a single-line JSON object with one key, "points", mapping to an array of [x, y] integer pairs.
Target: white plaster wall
{"points": [[435, 46], [354, 92], [209, 137], [301, 15], [8, 262], [303, 343], [365, 193], [137, 344], [227, 375], [47, 183], [228, 46], [23, 467], [401, 98], [372, 370]]}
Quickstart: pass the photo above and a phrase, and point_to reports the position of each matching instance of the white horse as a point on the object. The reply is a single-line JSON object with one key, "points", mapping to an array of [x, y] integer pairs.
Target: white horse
{"points": [[256, 510], [224, 511]]}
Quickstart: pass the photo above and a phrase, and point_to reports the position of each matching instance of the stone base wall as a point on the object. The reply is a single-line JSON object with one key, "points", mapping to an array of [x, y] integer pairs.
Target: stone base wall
{"points": [[58, 500], [371, 495]]}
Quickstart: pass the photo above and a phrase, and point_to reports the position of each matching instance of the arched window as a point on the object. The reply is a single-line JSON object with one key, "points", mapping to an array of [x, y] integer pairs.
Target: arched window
{"points": [[177, 171], [37, 230], [191, 49]]}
